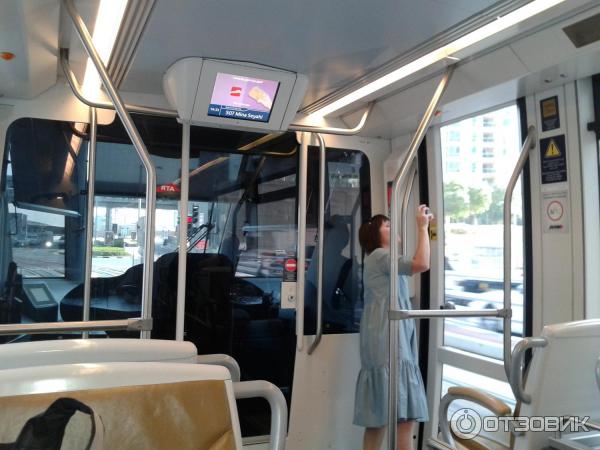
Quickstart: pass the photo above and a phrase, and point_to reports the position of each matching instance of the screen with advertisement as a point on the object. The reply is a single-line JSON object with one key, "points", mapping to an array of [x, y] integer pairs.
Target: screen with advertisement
{"points": [[241, 97]]}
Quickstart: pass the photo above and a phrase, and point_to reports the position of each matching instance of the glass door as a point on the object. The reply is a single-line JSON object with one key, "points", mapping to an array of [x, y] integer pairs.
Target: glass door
{"points": [[478, 155]]}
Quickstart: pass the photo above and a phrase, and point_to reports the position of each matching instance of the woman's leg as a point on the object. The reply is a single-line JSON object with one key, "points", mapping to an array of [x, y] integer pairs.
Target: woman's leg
{"points": [[373, 438], [404, 435]]}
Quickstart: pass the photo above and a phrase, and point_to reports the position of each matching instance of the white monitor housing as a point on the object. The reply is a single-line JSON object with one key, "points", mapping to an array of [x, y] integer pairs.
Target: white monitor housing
{"points": [[231, 94]]}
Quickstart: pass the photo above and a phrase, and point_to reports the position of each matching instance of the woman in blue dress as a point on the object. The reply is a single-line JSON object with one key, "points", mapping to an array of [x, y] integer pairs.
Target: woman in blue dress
{"points": [[371, 404]]}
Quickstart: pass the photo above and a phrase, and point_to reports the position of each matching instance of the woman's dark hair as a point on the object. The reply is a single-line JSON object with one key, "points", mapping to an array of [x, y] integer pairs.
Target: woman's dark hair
{"points": [[368, 234]]}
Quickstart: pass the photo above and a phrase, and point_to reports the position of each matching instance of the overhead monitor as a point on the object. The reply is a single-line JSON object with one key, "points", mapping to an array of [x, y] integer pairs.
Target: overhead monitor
{"points": [[236, 95], [244, 98]]}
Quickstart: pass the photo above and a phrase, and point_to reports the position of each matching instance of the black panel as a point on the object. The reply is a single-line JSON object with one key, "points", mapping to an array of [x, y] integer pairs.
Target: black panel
{"points": [[45, 167], [527, 229]]}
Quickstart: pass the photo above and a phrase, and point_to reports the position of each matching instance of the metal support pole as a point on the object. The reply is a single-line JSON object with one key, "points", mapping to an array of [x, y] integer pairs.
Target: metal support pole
{"points": [[404, 314], [529, 144], [89, 219], [183, 214], [138, 109], [94, 325], [136, 139], [277, 403], [339, 131], [321, 234], [404, 210], [301, 246], [393, 325]]}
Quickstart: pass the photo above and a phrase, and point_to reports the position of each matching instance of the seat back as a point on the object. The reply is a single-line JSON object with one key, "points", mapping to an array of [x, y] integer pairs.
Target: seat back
{"points": [[561, 378], [68, 351], [142, 405]]}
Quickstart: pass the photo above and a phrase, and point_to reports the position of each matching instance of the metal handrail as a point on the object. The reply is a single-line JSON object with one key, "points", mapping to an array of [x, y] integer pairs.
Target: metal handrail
{"points": [[141, 149], [393, 325], [445, 402], [221, 359], [137, 324], [403, 314], [321, 231], [436, 444], [76, 88], [515, 376], [403, 211], [279, 411], [529, 144], [89, 219], [301, 242], [183, 213], [331, 130]]}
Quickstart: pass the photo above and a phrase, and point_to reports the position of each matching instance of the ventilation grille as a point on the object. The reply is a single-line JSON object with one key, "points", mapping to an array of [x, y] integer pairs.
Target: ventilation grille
{"points": [[584, 32]]}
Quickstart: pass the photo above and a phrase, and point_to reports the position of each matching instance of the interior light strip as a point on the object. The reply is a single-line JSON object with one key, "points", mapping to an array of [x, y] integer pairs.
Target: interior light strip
{"points": [[498, 25], [108, 21]]}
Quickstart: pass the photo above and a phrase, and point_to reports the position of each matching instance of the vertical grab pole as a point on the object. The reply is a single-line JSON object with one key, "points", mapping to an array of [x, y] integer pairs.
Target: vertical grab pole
{"points": [[393, 324], [529, 144], [301, 246], [140, 148], [183, 213], [321, 231], [403, 211], [89, 220]]}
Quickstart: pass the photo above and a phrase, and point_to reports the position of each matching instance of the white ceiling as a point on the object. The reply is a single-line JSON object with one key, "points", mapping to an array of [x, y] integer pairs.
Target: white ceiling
{"points": [[333, 42]]}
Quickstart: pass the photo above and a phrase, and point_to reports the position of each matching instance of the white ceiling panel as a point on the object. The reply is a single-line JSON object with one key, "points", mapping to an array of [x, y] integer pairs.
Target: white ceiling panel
{"points": [[29, 30], [332, 42]]}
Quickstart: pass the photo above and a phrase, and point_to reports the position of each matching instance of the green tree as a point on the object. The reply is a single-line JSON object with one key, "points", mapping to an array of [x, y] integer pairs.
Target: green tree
{"points": [[479, 202], [455, 204], [495, 210]]}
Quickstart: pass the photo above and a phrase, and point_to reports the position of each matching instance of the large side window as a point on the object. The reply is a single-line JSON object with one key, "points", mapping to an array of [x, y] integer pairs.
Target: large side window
{"points": [[347, 205], [479, 154]]}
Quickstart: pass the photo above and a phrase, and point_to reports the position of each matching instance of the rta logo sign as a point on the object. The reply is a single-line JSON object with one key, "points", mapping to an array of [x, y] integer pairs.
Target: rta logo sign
{"points": [[466, 423], [164, 188]]}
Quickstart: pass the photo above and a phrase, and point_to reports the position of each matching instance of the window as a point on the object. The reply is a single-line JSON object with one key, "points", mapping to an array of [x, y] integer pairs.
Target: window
{"points": [[488, 137], [488, 168], [38, 242], [454, 151], [453, 166], [488, 122], [454, 135], [487, 152], [473, 209], [346, 184]]}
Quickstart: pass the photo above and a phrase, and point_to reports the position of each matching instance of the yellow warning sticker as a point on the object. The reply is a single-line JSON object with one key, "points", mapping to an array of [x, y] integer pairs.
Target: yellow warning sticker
{"points": [[552, 151], [549, 108]]}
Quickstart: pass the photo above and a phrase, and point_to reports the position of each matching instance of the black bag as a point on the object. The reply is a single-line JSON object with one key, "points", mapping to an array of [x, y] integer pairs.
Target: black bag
{"points": [[339, 298], [46, 431]]}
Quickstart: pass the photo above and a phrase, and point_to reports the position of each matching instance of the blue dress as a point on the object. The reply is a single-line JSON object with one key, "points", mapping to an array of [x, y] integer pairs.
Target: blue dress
{"points": [[371, 400]]}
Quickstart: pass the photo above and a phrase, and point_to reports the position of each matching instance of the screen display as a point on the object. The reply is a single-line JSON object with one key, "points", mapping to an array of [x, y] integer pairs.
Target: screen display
{"points": [[245, 98], [39, 294]]}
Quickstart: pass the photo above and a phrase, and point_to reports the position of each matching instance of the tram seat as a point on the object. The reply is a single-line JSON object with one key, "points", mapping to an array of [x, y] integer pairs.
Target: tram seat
{"points": [[142, 405], [72, 351], [561, 381]]}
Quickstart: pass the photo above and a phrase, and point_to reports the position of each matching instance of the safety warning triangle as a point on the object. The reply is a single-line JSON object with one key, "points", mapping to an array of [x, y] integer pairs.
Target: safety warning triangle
{"points": [[552, 151]]}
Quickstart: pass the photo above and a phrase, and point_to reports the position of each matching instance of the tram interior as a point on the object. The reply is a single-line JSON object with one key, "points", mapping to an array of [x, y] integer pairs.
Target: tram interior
{"points": [[340, 94]]}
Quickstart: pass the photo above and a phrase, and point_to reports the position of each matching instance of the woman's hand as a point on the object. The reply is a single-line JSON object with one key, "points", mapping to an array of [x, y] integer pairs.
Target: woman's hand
{"points": [[424, 216]]}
